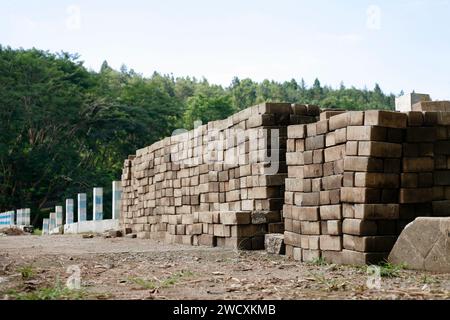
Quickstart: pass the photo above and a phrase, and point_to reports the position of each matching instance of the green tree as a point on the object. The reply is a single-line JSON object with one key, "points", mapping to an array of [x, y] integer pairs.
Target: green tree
{"points": [[205, 109]]}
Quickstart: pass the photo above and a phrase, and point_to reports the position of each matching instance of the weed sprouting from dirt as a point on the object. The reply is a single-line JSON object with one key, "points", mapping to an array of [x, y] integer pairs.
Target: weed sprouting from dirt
{"points": [[425, 279], [26, 272], [390, 270], [145, 284], [318, 262], [164, 283], [330, 284], [56, 292]]}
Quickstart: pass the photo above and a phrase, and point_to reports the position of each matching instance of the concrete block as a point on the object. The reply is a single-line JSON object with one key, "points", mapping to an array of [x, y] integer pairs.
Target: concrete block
{"points": [[376, 211], [315, 142], [334, 227], [334, 153], [366, 133], [359, 227], [360, 195], [305, 213], [332, 212], [418, 195], [297, 131], [235, 217], [369, 244], [330, 243], [365, 164], [379, 149], [386, 119], [274, 243], [376, 180], [424, 245]]}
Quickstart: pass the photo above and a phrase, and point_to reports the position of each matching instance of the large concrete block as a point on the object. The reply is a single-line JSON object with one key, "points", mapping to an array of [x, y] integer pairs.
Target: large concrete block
{"points": [[417, 195], [330, 243], [424, 245], [359, 227], [386, 119], [305, 213], [274, 243], [332, 212], [376, 211], [364, 164], [334, 153], [297, 131], [424, 164], [376, 180], [360, 195], [439, 106], [405, 102], [366, 133], [379, 149], [235, 218], [369, 244]]}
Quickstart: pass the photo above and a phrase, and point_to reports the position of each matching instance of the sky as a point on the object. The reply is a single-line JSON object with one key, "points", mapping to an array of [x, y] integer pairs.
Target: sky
{"points": [[400, 44]]}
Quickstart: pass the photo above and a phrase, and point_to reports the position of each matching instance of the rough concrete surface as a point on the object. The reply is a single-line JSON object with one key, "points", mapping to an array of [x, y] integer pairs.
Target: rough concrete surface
{"points": [[424, 245]]}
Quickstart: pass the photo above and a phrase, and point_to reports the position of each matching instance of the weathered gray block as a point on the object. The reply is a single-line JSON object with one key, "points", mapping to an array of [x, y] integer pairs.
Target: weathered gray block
{"points": [[424, 245], [274, 243]]}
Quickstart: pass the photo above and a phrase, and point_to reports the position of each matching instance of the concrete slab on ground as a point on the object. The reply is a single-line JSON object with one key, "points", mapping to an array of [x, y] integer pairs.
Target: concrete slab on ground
{"points": [[424, 245]]}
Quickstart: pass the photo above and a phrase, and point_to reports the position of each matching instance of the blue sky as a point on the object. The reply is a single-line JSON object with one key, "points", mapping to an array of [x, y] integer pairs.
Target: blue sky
{"points": [[401, 44]]}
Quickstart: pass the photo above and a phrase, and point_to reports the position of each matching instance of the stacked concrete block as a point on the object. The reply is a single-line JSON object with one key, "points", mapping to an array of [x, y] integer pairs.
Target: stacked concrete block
{"points": [[343, 187], [416, 189], [229, 229], [441, 173], [426, 163], [184, 188], [370, 195], [313, 210], [339, 185]]}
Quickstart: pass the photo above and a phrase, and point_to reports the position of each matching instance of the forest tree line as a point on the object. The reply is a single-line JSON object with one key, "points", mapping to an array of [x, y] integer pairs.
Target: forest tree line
{"points": [[65, 129]]}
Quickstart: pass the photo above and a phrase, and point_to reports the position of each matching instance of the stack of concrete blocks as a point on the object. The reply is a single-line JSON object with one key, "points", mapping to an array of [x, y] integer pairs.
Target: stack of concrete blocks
{"points": [[342, 190], [416, 189], [221, 184], [407, 101], [370, 196], [429, 139], [312, 210]]}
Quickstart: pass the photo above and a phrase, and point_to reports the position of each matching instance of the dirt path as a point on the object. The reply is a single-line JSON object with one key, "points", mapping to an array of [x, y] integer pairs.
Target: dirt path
{"points": [[34, 267]]}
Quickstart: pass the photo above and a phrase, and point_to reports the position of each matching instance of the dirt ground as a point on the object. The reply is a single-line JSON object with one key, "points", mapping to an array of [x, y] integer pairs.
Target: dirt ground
{"points": [[36, 267]]}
